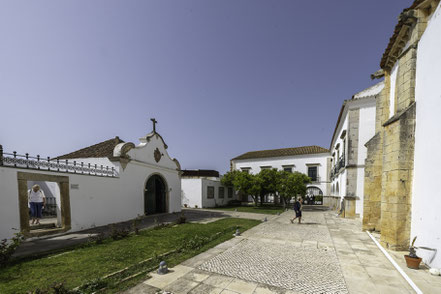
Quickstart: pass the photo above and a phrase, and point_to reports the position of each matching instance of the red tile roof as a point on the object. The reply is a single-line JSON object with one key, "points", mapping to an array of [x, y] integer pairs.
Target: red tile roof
{"points": [[103, 149], [283, 152]]}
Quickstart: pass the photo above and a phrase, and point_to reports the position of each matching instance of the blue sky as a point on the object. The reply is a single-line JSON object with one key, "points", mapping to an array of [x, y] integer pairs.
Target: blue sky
{"points": [[221, 77]]}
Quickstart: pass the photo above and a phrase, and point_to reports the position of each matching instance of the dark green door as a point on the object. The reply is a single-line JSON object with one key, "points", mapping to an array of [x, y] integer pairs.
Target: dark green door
{"points": [[154, 195]]}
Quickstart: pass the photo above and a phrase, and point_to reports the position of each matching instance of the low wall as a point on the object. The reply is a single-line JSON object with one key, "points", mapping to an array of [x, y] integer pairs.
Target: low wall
{"points": [[93, 201]]}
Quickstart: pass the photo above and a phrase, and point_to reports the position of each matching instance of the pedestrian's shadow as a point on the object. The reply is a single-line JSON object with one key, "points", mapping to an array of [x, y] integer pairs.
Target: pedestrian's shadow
{"points": [[310, 223]]}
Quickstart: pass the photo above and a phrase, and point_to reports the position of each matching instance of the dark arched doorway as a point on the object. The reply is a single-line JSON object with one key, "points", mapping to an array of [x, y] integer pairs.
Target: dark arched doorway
{"points": [[314, 196], [155, 195]]}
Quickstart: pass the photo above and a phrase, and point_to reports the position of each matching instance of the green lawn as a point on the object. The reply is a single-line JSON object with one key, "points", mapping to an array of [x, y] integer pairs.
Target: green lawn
{"points": [[76, 266], [266, 209]]}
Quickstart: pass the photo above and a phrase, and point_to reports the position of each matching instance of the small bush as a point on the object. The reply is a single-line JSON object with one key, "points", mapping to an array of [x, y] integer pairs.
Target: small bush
{"points": [[182, 219], [98, 238], [8, 247], [135, 223], [195, 243], [59, 288], [118, 234], [93, 285]]}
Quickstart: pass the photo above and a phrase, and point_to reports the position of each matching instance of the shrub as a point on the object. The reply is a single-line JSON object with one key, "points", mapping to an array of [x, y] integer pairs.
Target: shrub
{"points": [[8, 247], [93, 285], [118, 234], [98, 238], [195, 243], [135, 223], [181, 219]]}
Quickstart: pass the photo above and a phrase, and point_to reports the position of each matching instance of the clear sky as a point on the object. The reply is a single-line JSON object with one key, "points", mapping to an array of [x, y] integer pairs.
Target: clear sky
{"points": [[221, 77]]}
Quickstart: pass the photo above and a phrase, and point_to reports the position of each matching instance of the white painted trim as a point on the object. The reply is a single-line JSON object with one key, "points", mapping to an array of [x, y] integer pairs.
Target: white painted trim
{"points": [[399, 269]]}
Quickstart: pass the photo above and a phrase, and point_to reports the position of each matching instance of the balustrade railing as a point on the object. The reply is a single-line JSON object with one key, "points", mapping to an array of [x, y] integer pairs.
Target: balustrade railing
{"points": [[338, 165], [56, 165]]}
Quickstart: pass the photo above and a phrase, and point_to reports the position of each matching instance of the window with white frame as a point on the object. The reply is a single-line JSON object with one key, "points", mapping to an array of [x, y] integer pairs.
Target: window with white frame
{"points": [[288, 168], [313, 173]]}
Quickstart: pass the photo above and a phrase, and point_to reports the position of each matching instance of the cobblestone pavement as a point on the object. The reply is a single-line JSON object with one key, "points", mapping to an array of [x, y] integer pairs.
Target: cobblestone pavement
{"points": [[325, 254], [289, 256]]}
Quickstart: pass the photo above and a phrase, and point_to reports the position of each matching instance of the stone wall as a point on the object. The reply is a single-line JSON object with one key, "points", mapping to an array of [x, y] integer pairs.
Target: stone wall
{"points": [[398, 151], [389, 164]]}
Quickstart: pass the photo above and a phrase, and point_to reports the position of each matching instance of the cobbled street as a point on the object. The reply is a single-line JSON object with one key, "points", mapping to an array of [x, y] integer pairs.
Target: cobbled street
{"points": [[324, 254]]}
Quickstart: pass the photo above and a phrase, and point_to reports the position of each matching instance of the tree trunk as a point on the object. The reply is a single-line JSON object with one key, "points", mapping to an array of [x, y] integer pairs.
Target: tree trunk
{"points": [[256, 200]]}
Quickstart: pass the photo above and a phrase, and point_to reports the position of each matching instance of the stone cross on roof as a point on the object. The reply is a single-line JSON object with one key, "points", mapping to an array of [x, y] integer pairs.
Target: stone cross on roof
{"points": [[154, 124]]}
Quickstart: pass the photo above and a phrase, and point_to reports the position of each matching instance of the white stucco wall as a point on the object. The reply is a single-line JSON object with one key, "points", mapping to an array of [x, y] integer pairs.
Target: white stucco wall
{"points": [[300, 163], [364, 101], [393, 82], [366, 130], [194, 192], [216, 201], [100, 200], [426, 198], [191, 193]]}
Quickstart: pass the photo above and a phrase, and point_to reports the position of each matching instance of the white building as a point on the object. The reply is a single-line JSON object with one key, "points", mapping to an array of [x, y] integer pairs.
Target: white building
{"points": [[109, 182], [426, 200], [355, 126], [313, 161], [202, 188]]}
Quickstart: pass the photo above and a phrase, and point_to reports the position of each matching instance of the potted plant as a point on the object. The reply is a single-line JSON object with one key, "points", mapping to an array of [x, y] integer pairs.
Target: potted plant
{"points": [[412, 260]]}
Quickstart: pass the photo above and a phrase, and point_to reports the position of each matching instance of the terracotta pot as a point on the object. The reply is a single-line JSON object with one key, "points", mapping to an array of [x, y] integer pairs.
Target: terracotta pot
{"points": [[413, 262]]}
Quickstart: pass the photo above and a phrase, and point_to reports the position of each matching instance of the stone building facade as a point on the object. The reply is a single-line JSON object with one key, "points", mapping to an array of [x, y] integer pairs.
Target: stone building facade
{"points": [[390, 161], [355, 126]]}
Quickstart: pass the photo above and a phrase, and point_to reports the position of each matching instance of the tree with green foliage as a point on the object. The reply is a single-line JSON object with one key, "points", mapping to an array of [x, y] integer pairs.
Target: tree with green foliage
{"points": [[245, 183], [269, 179], [291, 184], [228, 178]]}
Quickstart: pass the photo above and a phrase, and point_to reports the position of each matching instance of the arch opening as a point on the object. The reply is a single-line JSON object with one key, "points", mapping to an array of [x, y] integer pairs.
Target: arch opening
{"points": [[155, 195]]}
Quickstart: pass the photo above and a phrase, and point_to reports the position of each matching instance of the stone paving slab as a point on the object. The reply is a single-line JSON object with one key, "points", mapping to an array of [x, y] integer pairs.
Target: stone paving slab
{"points": [[305, 269], [328, 254]]}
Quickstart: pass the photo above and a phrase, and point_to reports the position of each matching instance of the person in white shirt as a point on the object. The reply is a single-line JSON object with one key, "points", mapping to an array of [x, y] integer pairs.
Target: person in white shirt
{"points": [[37, 200]]}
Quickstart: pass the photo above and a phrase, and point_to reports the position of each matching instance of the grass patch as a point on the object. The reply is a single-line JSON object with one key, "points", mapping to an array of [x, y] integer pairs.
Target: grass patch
{"points": [[265, 209], [76, 266]]}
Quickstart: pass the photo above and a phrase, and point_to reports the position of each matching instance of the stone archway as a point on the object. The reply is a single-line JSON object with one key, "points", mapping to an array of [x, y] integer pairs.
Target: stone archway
{"points": [[155, 195], [63, 184]]}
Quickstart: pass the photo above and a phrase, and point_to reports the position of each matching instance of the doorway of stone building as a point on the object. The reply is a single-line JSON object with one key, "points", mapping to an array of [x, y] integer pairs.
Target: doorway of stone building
{"points": [[155, 195], [52, 209], [56, 213]]}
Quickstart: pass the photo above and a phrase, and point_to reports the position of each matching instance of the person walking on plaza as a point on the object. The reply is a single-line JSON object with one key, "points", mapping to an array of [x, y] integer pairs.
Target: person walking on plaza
{"points": [[37, 200], [298, 210]]}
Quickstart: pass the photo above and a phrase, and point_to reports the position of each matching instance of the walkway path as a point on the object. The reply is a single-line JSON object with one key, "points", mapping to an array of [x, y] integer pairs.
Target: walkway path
{"points": [[326, 254]]}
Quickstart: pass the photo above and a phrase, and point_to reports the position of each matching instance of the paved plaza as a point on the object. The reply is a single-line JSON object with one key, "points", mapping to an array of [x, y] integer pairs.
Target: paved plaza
{"points": [[325, 254]]}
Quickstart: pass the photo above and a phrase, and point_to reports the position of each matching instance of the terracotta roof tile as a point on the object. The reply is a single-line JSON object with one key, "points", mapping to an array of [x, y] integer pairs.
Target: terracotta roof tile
{"points": [[103, 149], [283, 152]]}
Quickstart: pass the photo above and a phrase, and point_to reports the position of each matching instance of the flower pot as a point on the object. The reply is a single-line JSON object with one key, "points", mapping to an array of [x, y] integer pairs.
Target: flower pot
{"points": [[413, 262]]}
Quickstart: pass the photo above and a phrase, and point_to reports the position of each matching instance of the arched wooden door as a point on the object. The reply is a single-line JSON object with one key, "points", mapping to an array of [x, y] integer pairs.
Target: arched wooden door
{"points": [[155, 195]]}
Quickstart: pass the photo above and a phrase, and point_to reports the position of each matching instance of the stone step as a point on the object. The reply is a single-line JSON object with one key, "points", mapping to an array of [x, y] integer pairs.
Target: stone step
{"points": [[43, 226]]}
